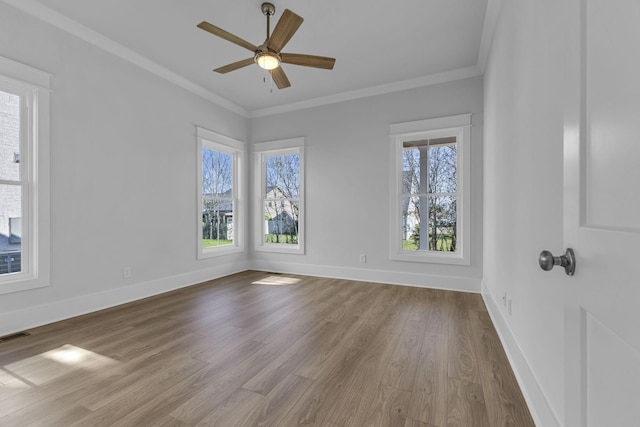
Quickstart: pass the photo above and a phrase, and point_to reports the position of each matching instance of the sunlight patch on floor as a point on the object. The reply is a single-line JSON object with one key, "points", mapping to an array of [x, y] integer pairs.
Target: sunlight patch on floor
{"points": [[10, 382], [54, 364], [277, 281]]}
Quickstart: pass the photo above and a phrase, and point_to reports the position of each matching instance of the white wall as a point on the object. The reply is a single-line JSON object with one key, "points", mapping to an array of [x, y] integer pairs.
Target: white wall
{"points": [[123, 177], [523, 197], [347, 185]]}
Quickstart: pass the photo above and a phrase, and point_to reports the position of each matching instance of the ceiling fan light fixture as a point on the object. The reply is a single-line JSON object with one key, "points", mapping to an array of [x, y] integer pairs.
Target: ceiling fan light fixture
{"points": [[267, 60]]}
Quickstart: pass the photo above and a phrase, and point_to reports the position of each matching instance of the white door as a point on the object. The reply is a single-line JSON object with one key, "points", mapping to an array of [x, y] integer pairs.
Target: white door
{"points": [[602, 213]]}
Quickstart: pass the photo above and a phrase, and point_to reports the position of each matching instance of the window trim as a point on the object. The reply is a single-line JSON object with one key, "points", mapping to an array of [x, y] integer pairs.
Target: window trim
{"points": [[34, 86], [237, 149], [459, 125], [274, 148]]}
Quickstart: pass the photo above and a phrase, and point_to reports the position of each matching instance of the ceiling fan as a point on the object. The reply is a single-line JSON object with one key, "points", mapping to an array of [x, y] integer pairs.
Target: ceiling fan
{"points": [[268, 55]]}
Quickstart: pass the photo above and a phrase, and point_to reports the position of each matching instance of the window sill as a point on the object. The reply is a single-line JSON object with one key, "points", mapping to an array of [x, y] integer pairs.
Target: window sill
{"points": [[21, 282], [430, 257], [276, 248], [218, 251]]}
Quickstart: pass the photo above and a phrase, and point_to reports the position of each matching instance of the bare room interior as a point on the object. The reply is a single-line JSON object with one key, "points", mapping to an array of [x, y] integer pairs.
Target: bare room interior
{"points": [[293, 213]]}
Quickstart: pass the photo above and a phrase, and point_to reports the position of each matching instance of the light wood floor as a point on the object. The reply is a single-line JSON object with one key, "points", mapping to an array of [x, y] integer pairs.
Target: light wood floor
{"points": [[270, 350]]}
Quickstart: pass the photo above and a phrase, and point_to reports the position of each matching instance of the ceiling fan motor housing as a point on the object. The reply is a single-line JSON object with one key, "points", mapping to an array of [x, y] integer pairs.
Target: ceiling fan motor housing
{"points": [[268, 9]]}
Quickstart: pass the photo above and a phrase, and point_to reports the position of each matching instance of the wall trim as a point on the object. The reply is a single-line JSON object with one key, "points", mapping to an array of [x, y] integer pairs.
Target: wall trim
{"points": [[431, 79], [543, 414], [34, 316], [85, 33], [451, 283], [490, 23]]}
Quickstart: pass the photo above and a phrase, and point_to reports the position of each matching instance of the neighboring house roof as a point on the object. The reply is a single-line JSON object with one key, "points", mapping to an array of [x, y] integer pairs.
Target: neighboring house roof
{"points": [[223, 204]]}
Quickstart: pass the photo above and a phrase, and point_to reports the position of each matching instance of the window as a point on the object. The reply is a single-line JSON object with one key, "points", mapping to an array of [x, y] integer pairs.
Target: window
{"points": [[280, 184], [220, 213], [430, 209], [24, 177]]}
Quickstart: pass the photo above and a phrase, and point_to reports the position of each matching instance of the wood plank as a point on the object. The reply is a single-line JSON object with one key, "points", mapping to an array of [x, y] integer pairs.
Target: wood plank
{"points": [[410, 422], [315, 404], [291, 359], [488, 345], [389, 408], [429, 397], [233, 410], [277, 403], [360, 387], [504, 402], [439, 311], [63, 415], [120, 403], [217, 388], [401, 371], [465, 405], [463, 359]]}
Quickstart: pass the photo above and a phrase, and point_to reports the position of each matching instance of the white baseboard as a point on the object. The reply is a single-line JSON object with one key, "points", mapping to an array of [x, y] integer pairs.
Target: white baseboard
{"points": [[32, 317], [543, 414], [452, 283]]}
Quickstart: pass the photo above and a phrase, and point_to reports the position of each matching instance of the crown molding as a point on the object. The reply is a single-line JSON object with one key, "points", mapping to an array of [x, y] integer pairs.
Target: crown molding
{"points": [[64, 23], [488, 29], [432, 79]]}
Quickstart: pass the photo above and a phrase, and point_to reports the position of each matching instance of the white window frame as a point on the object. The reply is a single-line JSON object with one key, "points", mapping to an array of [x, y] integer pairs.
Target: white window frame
{"points": [[459, 126], [34, 88], [237, 149], [263, 150]]}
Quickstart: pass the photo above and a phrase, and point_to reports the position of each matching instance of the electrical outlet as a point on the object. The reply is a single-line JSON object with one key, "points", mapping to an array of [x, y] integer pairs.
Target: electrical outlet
{"points": [[510, 307], [126, 272], [363, 258]]}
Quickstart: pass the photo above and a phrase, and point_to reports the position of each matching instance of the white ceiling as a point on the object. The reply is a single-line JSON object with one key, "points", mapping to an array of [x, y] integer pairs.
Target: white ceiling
{"points": [[375, 43]]}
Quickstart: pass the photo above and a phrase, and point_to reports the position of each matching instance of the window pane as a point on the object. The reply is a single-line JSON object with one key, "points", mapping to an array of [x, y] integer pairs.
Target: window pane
{"points": [[442, 169], [217, 198], [411, 208], [217, 173], [9, 136], [281, 221], [442, 224], [283, 176], [10, 229], [410, 170], [438, 233], [282, 204], [217, 222]]}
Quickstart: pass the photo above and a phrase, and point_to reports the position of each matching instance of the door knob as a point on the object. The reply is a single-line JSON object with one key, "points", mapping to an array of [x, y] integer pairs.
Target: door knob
{"points": [[568, 261]]}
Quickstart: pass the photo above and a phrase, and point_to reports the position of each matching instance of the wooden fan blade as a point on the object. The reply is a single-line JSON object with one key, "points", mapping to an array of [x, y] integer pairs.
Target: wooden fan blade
{"points": [[285, 29], [308, 60], [217, 31], [280, 78], [236, 65]]}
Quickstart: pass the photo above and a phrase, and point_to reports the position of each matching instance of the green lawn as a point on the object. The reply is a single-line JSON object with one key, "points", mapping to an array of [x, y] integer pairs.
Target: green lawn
{"points": [[443, 243], [409, 245], [282, 238], [207, 243]]}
